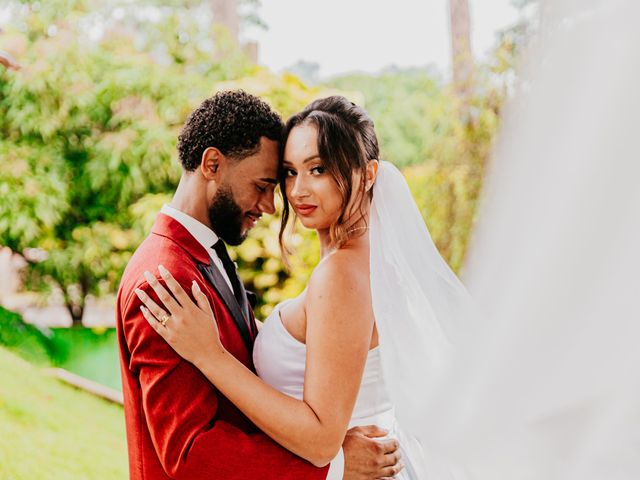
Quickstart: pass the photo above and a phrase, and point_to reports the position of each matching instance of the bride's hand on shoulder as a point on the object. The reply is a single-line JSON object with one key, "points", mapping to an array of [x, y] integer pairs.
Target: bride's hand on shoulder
{"points": [[190, 328]]}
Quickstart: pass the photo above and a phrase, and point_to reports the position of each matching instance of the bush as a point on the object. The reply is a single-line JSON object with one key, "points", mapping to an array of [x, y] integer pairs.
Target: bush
{"points": [[23, 339]]}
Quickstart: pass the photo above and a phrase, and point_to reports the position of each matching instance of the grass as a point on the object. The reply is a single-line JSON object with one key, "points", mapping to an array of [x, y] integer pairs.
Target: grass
{"points": [[50, 430]]}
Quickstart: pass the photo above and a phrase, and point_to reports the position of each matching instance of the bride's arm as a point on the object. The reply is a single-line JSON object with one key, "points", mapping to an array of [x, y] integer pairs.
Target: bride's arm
{"points": [[339, 329]]}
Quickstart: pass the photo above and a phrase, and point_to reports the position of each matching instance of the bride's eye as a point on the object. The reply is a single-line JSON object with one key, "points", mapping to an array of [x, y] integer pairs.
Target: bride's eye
{"points": [[289, 172], [318, 170]]}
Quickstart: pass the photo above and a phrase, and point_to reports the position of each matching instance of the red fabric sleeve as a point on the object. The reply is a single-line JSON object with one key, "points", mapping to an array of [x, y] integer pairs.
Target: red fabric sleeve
{"points": [[181, 409]]}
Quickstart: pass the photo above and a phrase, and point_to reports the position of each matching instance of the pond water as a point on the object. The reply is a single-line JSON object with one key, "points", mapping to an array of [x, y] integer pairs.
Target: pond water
{"points": [[89, 352]]}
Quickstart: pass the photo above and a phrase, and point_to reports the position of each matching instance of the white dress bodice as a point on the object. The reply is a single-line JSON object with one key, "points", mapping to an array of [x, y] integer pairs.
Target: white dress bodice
{"points": [[280, 361]]}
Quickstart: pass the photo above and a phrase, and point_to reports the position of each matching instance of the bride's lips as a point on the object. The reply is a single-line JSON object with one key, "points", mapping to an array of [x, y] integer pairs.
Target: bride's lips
{"points": [[304, 209]]}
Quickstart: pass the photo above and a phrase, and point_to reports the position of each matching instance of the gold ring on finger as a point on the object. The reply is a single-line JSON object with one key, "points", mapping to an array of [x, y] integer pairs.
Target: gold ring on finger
{"points": [[164, 319]]}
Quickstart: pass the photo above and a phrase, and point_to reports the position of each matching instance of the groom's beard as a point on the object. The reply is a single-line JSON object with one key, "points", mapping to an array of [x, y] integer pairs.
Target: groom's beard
{"points": [[225, 216]]}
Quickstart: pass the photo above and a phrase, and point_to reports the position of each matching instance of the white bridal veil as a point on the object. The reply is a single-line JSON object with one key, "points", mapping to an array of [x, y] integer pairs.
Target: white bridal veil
{"points": [[543, 386], [417, 300]]}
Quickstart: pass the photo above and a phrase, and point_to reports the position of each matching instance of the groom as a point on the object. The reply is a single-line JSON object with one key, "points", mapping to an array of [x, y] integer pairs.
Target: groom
{"points": [[178, 425]]}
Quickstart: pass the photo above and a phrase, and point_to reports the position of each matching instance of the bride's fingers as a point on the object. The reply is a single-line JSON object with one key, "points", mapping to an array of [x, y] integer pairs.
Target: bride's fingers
{"points": [[153, 321], [175, 288], [201, 298], [163, 294], [154, 309]]}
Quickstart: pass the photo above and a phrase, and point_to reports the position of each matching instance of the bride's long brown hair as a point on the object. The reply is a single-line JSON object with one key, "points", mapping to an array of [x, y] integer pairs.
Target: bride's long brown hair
{"points": [[346, 143]]}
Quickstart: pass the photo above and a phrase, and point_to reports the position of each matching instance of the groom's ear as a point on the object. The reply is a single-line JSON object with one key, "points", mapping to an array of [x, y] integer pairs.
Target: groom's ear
{"points": [[212, 159]]}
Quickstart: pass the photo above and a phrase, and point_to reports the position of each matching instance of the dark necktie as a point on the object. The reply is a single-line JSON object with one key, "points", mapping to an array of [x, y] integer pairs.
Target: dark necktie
{"points": [[230, 268]]}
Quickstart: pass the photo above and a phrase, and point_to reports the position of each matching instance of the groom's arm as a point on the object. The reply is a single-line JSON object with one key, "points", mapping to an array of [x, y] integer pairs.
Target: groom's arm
{"points": [[180, 407]]}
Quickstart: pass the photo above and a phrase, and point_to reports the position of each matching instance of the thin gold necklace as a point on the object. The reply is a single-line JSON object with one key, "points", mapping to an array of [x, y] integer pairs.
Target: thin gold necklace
{"points": [[357, 228]]}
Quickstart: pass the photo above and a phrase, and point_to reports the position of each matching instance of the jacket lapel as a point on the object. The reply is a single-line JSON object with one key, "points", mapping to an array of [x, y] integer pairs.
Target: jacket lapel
{"points": [[166, 226], [244, 304], [215, 278]]}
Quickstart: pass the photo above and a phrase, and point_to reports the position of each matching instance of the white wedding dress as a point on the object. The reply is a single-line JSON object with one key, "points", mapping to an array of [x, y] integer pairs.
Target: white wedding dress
{"points": [[280, 361]]}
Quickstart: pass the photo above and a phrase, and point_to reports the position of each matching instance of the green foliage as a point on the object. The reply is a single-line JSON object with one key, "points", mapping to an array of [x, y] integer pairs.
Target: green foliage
{"points": [[87, 133], [51, 430], [88, 130], [88, 138], [23, 339], [419, 127], [411, 111], [446, 196]]}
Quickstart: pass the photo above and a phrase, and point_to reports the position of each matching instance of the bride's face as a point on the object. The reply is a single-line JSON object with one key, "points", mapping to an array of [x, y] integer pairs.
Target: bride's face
{"points": [[313, 193]]}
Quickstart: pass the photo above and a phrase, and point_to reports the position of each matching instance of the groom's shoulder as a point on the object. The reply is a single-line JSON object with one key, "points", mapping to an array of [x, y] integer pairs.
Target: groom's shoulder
{"points": [[153, 251]]}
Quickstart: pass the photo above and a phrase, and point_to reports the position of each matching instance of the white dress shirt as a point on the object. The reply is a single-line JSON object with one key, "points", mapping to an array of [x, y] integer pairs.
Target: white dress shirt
{"points": [[203, 234]]}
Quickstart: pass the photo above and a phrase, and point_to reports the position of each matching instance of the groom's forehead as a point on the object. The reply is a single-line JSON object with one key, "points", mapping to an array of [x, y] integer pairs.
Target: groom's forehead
{"points": [[263, 164]]}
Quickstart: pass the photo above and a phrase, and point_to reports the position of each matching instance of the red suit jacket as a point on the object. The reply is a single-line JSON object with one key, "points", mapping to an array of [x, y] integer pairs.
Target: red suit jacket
{"points": [[178, 425]]}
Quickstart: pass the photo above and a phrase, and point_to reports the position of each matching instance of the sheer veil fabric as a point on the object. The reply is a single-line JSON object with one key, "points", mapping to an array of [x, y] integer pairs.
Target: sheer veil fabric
{"points": [[419, 306], [542, 384]]}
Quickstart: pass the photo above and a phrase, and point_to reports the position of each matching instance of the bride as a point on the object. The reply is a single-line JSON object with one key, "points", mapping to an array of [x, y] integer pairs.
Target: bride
{"points": [[353, 347]]}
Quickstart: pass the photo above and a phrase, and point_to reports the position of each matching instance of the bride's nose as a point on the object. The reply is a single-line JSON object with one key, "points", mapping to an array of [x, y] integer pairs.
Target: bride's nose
{"points": [[299, 188]]}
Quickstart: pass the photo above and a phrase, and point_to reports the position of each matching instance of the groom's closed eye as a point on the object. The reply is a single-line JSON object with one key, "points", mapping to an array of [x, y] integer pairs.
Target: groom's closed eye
{"points": [[265, 186]]}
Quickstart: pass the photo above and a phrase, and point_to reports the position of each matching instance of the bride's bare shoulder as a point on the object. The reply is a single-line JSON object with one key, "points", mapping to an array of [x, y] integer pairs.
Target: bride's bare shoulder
{"points": [[342, 273]]}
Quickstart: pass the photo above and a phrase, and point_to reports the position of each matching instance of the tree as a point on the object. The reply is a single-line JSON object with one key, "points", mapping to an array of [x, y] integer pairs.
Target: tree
{"points": [[87, 142], [87, 133], [229, 16], [442, 157], [462, 56], [225, 12]]}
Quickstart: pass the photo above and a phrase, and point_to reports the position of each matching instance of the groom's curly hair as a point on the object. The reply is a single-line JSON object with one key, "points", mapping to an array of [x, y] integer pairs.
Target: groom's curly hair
{"points": [[232, 121]]}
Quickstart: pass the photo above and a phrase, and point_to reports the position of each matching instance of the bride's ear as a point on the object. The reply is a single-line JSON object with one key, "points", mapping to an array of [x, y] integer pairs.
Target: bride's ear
{"points": [[372, 172]]}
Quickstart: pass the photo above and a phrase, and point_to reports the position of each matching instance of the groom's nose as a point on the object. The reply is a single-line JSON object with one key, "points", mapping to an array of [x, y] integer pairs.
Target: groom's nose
{"points": [[266, 204]]}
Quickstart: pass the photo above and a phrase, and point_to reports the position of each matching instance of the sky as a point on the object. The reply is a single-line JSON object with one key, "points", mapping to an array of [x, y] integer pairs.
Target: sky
{"points": [[367, 35]]}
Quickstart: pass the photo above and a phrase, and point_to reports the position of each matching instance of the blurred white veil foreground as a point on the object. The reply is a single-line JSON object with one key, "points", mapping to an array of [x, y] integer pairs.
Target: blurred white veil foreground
{"points": [[546, 386]]}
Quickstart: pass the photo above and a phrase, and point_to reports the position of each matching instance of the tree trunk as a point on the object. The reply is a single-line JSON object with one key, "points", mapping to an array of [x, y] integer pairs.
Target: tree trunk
{"points": [[462, 58], [75, 309], [225, 13], [76, 312]]}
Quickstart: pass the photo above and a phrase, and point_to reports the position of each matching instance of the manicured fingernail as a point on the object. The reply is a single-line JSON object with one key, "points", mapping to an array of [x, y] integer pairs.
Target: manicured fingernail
{"points": [[163, 271], [196, 287], [150, 278], [143, 309], [140, 293]]}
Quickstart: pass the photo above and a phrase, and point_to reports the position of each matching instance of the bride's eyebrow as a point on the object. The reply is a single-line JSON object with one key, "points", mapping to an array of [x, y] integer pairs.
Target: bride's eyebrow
{"points": [[308, 159]]}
